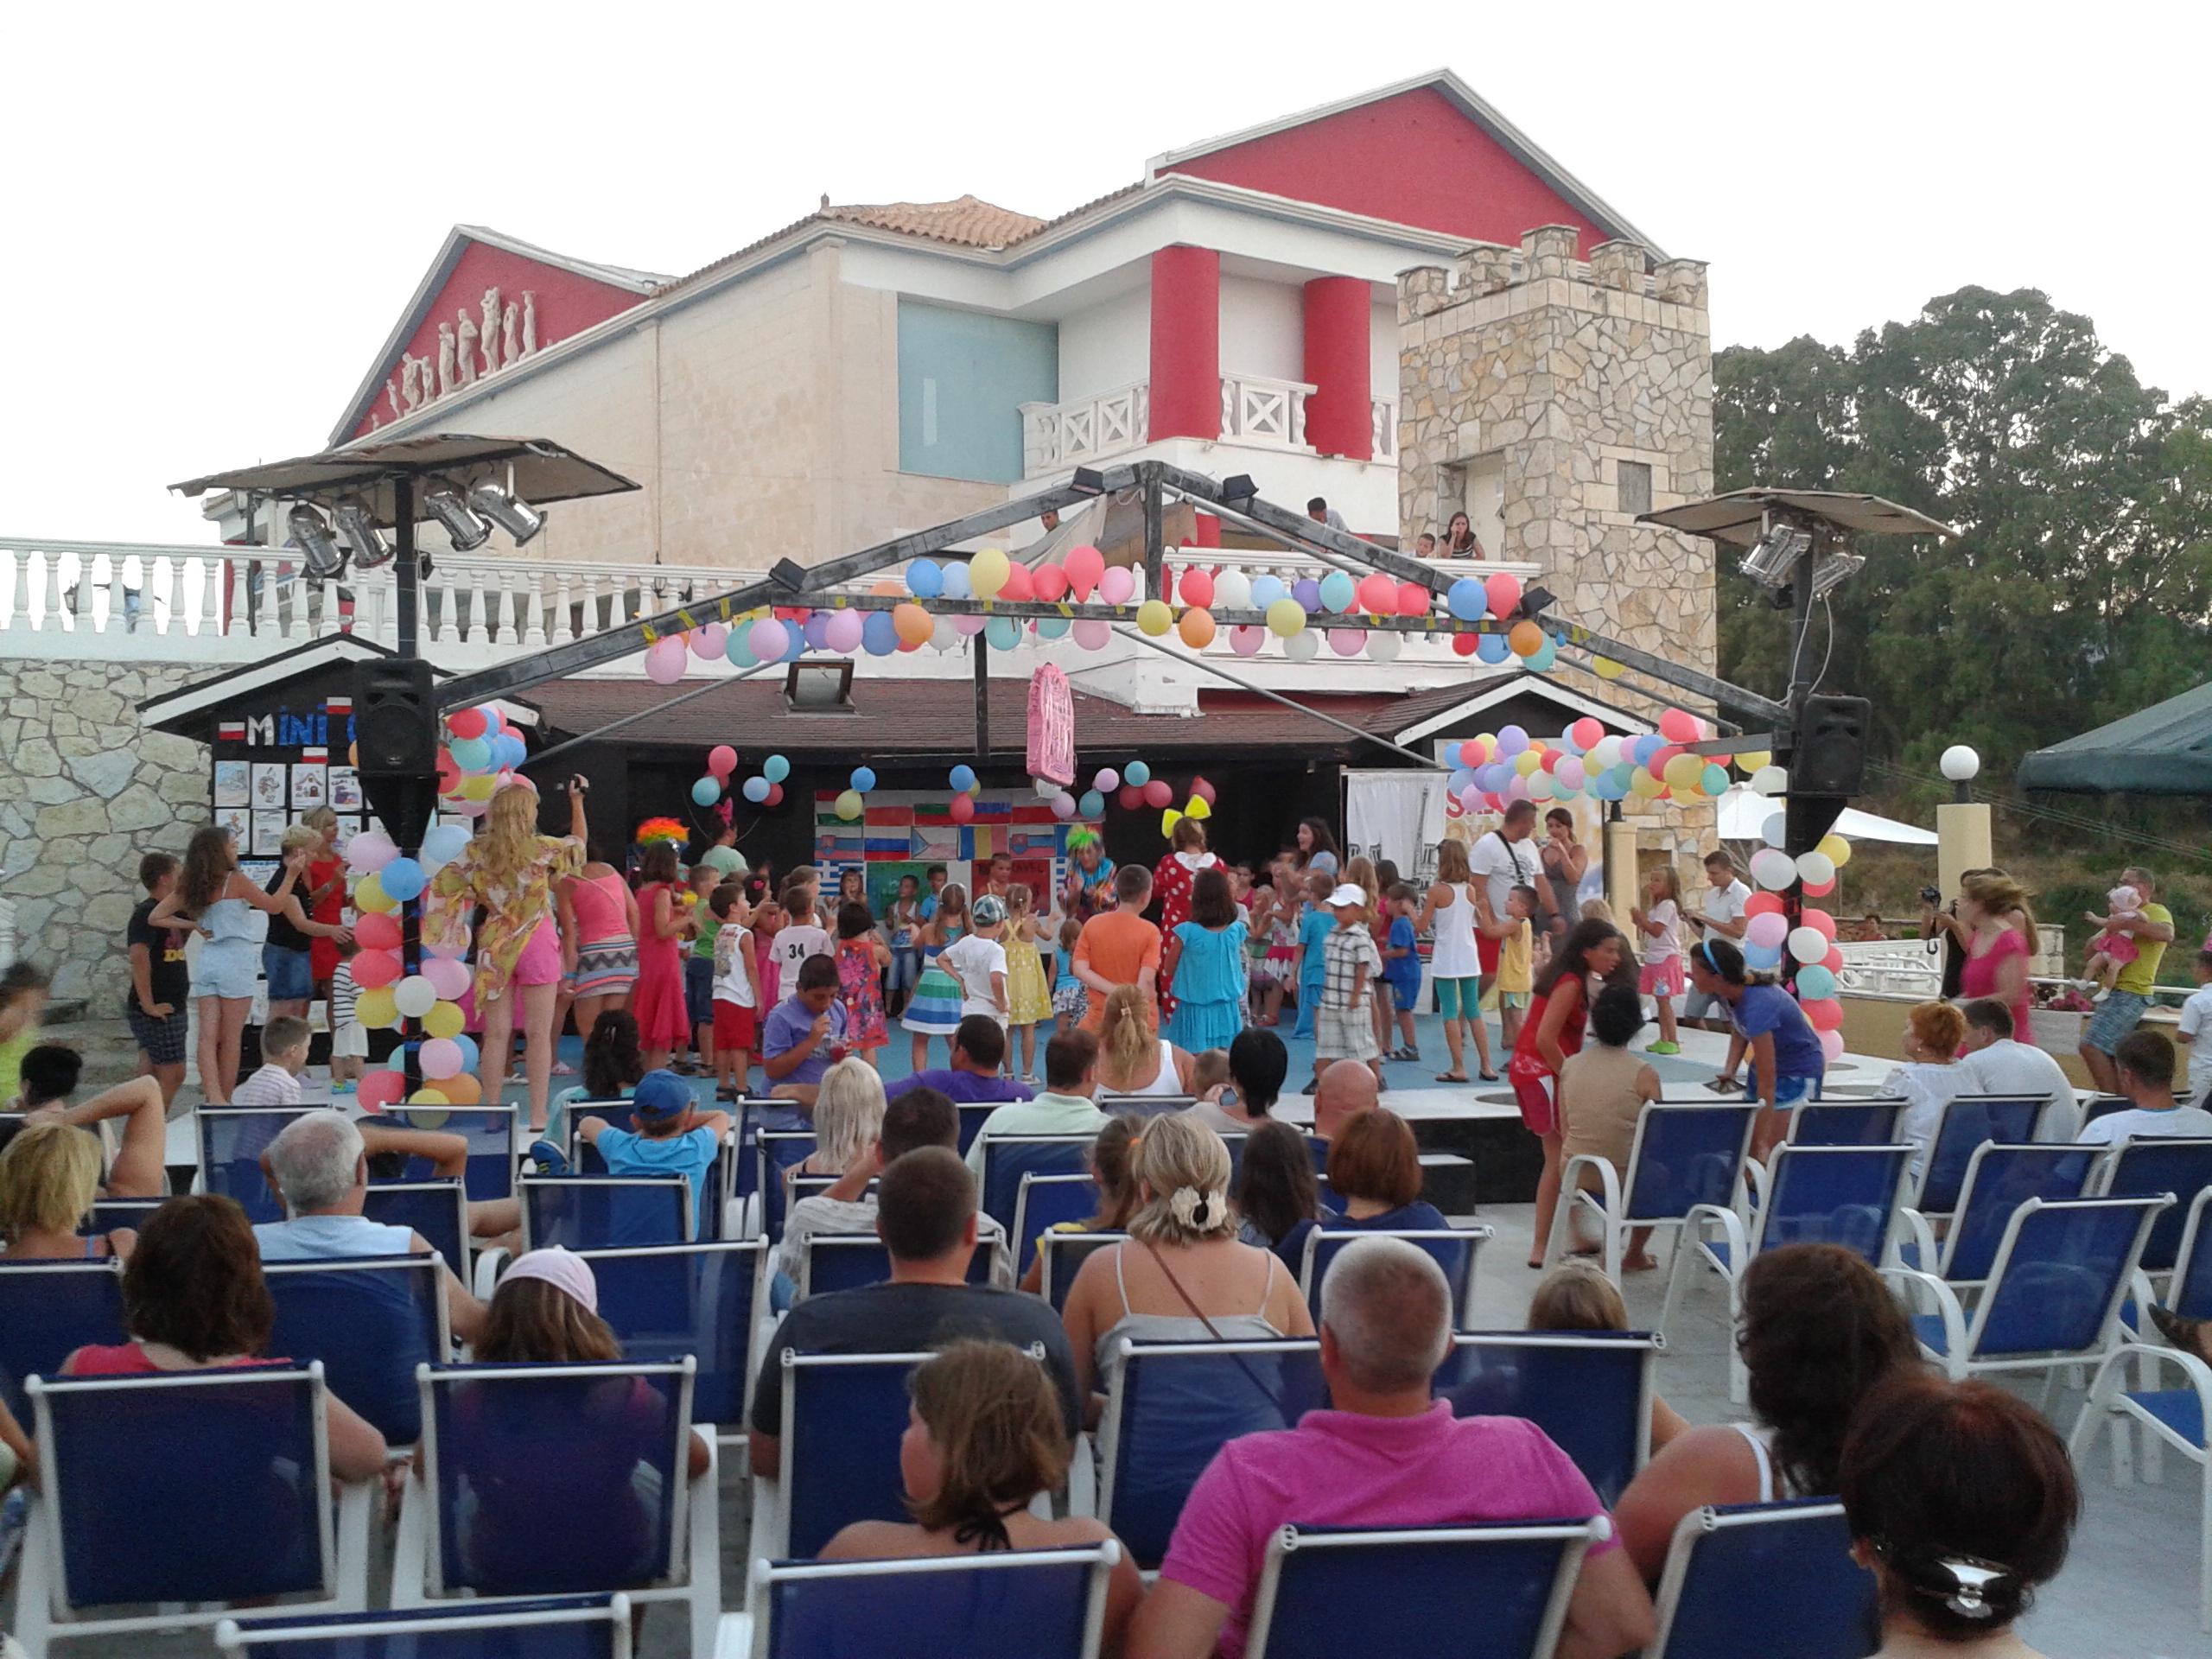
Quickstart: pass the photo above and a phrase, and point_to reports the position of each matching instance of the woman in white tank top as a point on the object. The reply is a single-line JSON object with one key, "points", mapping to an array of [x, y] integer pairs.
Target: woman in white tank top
{"points": [[1131, 1059], [1455, 967]]}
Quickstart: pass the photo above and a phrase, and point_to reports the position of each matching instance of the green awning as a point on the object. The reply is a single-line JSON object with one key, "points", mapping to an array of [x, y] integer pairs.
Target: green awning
{"points": [[2165, 749]]}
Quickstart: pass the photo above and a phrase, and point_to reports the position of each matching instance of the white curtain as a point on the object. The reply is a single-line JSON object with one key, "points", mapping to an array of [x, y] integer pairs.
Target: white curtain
{"points": [[1397, 815]]}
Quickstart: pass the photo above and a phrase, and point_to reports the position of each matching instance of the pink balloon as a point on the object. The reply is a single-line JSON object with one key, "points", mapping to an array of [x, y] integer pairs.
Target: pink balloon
{"points": [[1678, 726], [710, 642], [370, 850], [1092, 634], [721, 760], [1051, 581], [1819, 889], [1586, 733], [768, 641], [1245, 639], [1196, 587], [1767, 931], [1204, 791], [1570, 772], [1833, 961], [1376, 594], [1503, 592], [664, 661], [969, 625], [1020, 584], [447, 978], [1106, 780], [1413, 600], [843, 631], [1085, 566], [1821, 922], [379, 1090], [1116, 586], [440, 1058], [1347, 642], [1832, 1045], [963, 807], [1158, 792], [374, 969], [1064, 805]]}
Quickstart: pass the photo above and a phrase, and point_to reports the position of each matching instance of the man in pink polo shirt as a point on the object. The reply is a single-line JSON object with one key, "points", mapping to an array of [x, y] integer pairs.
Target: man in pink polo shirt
{"points": [[1388, 1455]]}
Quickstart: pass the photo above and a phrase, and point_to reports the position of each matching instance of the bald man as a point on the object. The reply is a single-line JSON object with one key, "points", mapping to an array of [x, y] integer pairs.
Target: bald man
{"points": [[1347, 1090]]}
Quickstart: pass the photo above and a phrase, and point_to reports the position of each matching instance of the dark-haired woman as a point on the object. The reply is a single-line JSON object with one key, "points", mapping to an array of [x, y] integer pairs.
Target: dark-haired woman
{"points": [[1961, 1500], [1819, 1332], [1317, 853], [1205, 957], [1258, 1062], [1552, 1030], [1765, 1022], [984, 1437], [1459, 539], [1277, 1193], [612, 1068]]}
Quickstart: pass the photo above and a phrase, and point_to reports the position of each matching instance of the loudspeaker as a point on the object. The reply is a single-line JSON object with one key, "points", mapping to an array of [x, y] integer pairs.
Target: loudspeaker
{"points": [[1829, 756], [394, 718]]}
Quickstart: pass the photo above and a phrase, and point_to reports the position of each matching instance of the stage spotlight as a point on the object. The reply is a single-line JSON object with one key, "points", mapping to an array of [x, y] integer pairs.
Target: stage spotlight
{"points": [[1535, 600], [1833, 569], [463, 528], [360, 526], [1776, 553], [1239, 492], [1089, 480], [519, 519], [788, 573], [324, 557]]}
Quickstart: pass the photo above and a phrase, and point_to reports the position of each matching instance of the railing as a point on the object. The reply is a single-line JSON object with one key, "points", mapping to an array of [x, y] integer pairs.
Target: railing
{"points": [[1254, 410], [1383, 418], [1068, 435]]}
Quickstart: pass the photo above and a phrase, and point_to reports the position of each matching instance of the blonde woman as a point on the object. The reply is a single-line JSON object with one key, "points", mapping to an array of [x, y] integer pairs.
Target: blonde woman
{"points": [[513, 872], [1455, 968], [848, 1118], [1183, 1276], [49, 1177], [1131, 1060]]}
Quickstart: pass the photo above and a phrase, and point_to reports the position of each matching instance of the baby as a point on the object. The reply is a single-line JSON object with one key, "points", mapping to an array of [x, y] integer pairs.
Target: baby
{"points": [[2112, 950]]}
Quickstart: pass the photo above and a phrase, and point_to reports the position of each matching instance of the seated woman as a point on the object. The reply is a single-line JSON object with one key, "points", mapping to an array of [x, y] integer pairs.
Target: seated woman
{"points": [[1109, 1161], [1603, 1091], [1931, 1077], [1960, 1500], [1131, 1059], [1276, 1191], [984, 1439], [193, 1300], [613, 1066], [1819, 1332], [848, 1118], [1375, 1173], [1577, 1296], [49, 1176]]}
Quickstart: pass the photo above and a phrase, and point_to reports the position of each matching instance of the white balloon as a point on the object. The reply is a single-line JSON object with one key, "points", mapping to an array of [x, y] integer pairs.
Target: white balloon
{"points": [[1816, 870], [943, 635], [1807, 945], [1304, 645], [1771, 780], [1232, 591], [1383, 646], [1774, 869], [1774, 832], [1605, 754], [414, 997]]}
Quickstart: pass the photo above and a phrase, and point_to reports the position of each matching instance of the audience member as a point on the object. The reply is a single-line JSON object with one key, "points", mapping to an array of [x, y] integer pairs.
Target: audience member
{"points": [[1119, 947], [1962, 1500], [193, 1300], [1257, 1063], [984, 1440], [1577, 1296], [2146, 1064], [1997, 1063], [613, 1066], [283, 1056], [50, 1169], [1385, 1454], [1277, 1193], [1375, 1171], [978, 1048], [1931, 1077], [925, 1215], [2194, 1030], [804, 1032], [1594, 951], [1109, 1161], [1820, 1330], [24, 986], [1063, 1106], [1346, 1091], [1603, 1091], [673, 1136], [848, 1117], [1131, 1059]]}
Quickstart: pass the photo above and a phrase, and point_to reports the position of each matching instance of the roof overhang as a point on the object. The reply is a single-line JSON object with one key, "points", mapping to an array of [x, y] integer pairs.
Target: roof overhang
{"points": [[536, 469], [1738, 516], [1517, 684], [184, 711]]}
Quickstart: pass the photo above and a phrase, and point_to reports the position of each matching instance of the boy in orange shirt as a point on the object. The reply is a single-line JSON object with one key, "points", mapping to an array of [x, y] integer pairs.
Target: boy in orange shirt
{"points": [[1119, 947]]}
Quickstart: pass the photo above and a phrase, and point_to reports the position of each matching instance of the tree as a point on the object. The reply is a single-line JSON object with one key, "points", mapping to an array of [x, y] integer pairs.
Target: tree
{"points": [[2079, 586]]}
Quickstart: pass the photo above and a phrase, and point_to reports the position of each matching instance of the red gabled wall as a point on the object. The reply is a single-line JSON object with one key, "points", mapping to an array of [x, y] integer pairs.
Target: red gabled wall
{"points": [[1414, 159], [567, 304]]}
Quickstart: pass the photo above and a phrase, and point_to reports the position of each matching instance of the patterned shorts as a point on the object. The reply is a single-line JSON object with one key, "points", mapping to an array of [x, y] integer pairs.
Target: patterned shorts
{"points": [[162, 1040], [1345, 1034], [605, 967]]}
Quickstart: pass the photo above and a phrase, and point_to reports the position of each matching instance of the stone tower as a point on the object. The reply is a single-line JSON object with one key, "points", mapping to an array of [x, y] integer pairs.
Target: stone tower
{"points": [[1555, 401]]}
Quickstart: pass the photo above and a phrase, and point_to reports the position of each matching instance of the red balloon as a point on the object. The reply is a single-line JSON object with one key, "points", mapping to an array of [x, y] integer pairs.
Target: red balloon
{"points": [[1204, 791], [775, 796], [1084, 566], [1196, 587], [1464, 644], [378, 1090], [465, 722], [1020, 584], [1413, 600], [1763, 904], [449, 772], [1826, 1013], [964, 808], [1376, 594], [1833, 961], [1158, 792], [791, 613], [1659, 760], [1820, 890], [1678, 726], [377, 930], [1130, 796], [373, 969], [1549, 759], [1821, 922], [1050, 582], [721, 760]]}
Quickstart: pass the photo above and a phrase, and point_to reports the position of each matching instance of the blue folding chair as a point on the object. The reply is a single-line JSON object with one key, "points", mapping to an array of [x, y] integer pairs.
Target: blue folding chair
{"points": [[2053, 1294], [1171, 1406], [1062, 1254], [1452, 1249], [556, 1627], [107, 1215], [231, 1140], [47, 1311], [754, 1118], [848, 1261], [1589, 1390], [1998, 1180], [1145, 1105], [1044, 1604], [1044, 1201], [1009, 1157], [670, 1302], [207, 1488], [2149, 1167], [1846, 1123], [1970, 1120], [598, 1212], [843, 1416], [1775, 1579], [604, 1448], [1685, 1155], [436, 1210], [972, 1115], [490, 1132], [720, 1219], [775, 1152], [1847, 1196], [1492, 1591], [370, 1321]]}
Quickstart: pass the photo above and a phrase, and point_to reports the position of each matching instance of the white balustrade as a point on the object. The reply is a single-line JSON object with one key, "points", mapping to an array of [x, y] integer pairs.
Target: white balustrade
{"points": [[1257, 410], [1055, 436]]}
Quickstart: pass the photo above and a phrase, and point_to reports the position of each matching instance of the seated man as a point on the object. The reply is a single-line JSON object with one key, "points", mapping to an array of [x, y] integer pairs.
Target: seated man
{"points": [[914, 1117], [925, 1215], [1386, 1455], [319, 1164], [804, 1034], [1346, 1091], [978, 1046], [673, 1137], [50, 1073], [1996, 1063], [1063, 1106], [2145, 1060]]}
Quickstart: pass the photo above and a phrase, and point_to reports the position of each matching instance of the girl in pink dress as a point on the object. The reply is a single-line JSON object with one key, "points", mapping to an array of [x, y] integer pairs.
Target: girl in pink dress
{"points": [[862, 958], [664, 922]]}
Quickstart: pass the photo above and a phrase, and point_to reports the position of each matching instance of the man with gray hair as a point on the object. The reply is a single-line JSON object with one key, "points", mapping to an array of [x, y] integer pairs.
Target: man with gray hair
{"points": [[1386, 1454], [319, 1166]]}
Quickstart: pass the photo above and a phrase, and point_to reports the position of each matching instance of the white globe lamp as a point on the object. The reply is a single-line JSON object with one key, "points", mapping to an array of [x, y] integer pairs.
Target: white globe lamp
{"points": [[1959, 763]]}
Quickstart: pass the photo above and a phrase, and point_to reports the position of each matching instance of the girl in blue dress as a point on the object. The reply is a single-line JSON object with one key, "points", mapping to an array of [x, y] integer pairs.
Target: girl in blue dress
{"points": [[1205, 959]]}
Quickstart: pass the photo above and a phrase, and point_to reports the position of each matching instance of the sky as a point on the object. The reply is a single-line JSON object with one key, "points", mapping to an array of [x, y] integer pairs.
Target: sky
{"points": [[211, 216]]}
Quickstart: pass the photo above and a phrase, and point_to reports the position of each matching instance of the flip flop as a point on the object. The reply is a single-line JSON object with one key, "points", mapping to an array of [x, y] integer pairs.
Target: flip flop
{"points": [[1486, 1077], [1452, 1077]]}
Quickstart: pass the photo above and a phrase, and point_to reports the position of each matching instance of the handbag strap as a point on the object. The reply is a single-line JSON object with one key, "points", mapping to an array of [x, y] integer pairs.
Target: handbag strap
{"points": [[1214, 1331]]}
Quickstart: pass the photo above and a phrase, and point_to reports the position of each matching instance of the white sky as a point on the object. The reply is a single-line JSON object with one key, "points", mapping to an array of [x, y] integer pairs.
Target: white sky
{"points": [[202, 254]]}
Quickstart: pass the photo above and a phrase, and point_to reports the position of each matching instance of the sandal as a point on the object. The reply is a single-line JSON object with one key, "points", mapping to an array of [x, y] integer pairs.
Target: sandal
{"points": [[1452, 1077], [1486, 1077]]}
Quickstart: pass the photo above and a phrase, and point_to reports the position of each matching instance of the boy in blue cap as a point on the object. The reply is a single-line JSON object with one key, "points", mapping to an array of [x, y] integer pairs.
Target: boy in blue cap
{"points": [[673, 1136]]}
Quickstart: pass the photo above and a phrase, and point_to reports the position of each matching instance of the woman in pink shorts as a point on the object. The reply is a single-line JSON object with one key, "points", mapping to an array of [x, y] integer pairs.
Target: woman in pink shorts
{"points": [[1552, 1031]]}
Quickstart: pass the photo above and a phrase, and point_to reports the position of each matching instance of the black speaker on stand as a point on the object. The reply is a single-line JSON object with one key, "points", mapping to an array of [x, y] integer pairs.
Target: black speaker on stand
{"points": [[395, 737]]}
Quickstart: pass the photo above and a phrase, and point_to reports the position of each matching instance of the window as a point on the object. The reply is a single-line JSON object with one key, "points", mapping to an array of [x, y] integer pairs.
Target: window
{"points": [[962, 377], [1633, 489]]}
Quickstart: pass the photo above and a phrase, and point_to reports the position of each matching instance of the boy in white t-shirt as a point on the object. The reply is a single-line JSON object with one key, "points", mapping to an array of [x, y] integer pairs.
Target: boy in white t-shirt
{"points": [[977, 959], [803, 935], [737, 992], [284, 1056], [2195, 1030]]}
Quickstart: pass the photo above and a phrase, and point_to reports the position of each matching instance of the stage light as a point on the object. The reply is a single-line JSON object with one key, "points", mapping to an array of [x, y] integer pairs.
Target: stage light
{"points": [[1776, 553], [359, 527], [324, 557], [1239, 492], [788, 573], [463, 528], [1088, 481], [1832, 570], [1535, 600], [519, 519]]}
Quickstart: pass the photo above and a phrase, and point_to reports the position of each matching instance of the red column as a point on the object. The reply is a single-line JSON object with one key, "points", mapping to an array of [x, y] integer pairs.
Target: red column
{"points": [[1185, 343], [1339, 411]]}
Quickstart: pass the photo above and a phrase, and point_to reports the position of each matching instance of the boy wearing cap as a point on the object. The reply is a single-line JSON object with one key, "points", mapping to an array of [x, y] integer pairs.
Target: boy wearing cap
{"points": [[1343, 1029], [803, 1033], [977, 959], [673, 1137]]}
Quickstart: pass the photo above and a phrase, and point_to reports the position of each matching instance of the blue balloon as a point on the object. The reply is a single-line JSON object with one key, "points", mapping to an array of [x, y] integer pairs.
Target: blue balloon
{"points": [[1492, 649], [756, 790], [470, 1054], [1004, 633], [471, 753], [1136, 772], [863, 778], [924, 579], [1645, 747], [1815, 984], [1053, 627], [1339, 591], [508, 750], [403, 879], [1465, 599], [1762, 958], [964, 778], [1092, 805], [738, 651], [794, 642], [1462, 781], [1266, 590], [775, 768], [443, 843], [879, 634], [956, 584], [707, 791]]}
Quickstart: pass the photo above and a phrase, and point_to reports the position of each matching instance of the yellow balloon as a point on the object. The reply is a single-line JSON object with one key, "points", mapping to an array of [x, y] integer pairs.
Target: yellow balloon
{"points": [[1285, 617], [987, 572], [1837, 849], [1526, 764], [445, 1019], [1153, 618], [1196, 628], [1750, 763], [481, 787], [369, 894], [1201, 808], [1642, 784], [849, 806], [427, 1095], [1684, 771], [375, 1008], [1607, 668], [426, 1114]]}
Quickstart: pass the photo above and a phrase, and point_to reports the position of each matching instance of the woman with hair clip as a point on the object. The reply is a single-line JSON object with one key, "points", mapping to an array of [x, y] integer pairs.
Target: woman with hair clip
{"points": [[1552, 1030], [1765, 1022]]}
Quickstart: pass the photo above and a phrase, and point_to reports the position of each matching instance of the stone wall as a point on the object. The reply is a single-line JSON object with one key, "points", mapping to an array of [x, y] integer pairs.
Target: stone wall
{"points": [[84, 791]]}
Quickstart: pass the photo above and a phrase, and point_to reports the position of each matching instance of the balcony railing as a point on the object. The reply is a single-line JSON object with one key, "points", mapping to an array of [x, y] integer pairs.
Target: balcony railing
{"points": [[1254, 410], [1054, 435]]}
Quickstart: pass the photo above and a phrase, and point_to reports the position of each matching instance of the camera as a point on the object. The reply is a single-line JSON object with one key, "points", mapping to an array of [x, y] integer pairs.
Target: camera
{"points": [[1931, 896]]}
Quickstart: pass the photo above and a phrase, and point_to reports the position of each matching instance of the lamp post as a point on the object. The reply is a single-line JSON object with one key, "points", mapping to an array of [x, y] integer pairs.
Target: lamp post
{"points": [[1963, 825]]}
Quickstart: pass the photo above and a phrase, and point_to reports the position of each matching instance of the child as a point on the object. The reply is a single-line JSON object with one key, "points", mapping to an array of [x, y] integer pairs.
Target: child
{"points": [[1344, 1028], [935, 874], [664, 927], [1070, 1001], [1362, 870], [904, 923], [934, 1009], [1577, 1296], [673, 1137], [768, 922], [1206, 958], [862, 958], [804, 1034], [1516, 963], [283, 1057], [1029, 1001], [978, 961], [2112, 950], [1209, 1072], [1307, 963], [1402, 967], [24, 987], [1659, 923], [160, 981], [699, 964], [803, 935], [613, 1067], [1262, 973], [349, 1038], [737, 993], [2195, 1032], [851, 889]]}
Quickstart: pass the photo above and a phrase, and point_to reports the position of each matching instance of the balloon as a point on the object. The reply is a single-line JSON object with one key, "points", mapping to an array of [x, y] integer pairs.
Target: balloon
{"points": [[964, 808], [1606, 667], [844, 630], [1232, 591], [1136, 772], [1774, 832], [1767, 931], [1824, 1013], [705, 792], [863, 778], [1832, 1045], [1816, 870], [1197, 628], [1154, 619], [924, 579], [1543, 657], [1415, 600], [1117, 585], [369, 894], [1511, 741], [1050, 583], [1383, 647], [375, 933], [738, 651], [1245, 639], [414, 997], [775, 768], [1573, 774], [1157, 793], [375, 1009], [1524, 639], [1750, 760], [1773, 869], [465, 722], [370, 850], [879, 633], [1808, 943], [849, 806], [1197, 588], [1063, 806], [1107, 781], [1587, 733], [962, 777], [1085, 567], [447, 976], [1678, 726], [664, 661], [1003, 634], [1266, 589], [1092, 805], [1762, 960], [471, 753], [440, 1058], [1819, 889], [1815, 982], [1285, 617], [375, 970], [775, 794], [378, 1090], [770, 640], [912, 622], [756, 790], [1491, 648], [1091, 634], [461, 1089], [1339, 591], [1528, 763], [1837, 849], [1771, 780], [945, 633], [1129, 798], [442, 844], [710, 641], [987, 572], [1821, 923], [1308, 592], [509, 751], [1503, 592], [1763, 903], [1347, 642], [1833, 961], [1466, 644], [1713, 780], [1378, 594]]}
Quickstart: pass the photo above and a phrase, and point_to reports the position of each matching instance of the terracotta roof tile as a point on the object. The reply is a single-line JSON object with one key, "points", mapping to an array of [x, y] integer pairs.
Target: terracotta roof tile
{"points": [[965, 220]]}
